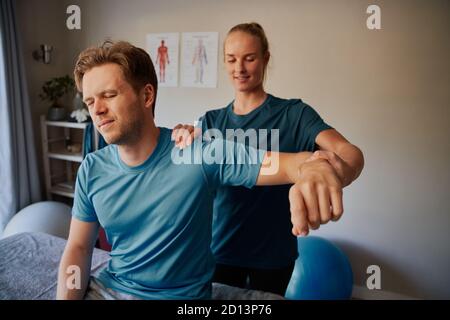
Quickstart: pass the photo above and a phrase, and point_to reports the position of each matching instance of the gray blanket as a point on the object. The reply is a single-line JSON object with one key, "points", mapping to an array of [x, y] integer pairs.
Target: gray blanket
{"points": [[29, 267]]}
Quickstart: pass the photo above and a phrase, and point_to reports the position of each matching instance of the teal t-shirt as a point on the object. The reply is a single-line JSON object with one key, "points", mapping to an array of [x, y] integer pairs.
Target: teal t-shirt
{"points": [[157, 216], [252, 228]]}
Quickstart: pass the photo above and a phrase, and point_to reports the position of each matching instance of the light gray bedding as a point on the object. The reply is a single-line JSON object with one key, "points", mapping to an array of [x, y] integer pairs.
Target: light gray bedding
{"points": [[29, 266]]}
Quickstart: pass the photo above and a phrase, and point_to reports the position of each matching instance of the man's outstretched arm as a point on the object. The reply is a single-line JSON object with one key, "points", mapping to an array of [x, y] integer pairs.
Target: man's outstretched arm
{"points": [[316, 195], [75, 265]]}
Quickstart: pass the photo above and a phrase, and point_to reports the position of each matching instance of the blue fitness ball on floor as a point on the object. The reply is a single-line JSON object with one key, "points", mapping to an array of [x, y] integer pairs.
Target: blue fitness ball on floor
{"points": [[322, 272]]}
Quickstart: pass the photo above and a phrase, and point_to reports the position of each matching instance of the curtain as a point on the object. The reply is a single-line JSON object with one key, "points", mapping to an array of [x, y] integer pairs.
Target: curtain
{"points": [[19, 180]]}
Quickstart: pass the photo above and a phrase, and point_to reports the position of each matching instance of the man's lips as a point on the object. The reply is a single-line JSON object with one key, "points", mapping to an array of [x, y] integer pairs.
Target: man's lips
{"points": [[104, 122]]}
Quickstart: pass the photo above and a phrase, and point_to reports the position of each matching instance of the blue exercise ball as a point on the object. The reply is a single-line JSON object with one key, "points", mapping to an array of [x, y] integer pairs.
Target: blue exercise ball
{"points": [[47, 216], [322, 272]]}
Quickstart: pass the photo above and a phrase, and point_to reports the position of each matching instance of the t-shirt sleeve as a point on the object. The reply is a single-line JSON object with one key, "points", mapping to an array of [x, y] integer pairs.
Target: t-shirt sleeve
{"points": [[228, 163], [83, 208], [207, 130], [307, 124]]}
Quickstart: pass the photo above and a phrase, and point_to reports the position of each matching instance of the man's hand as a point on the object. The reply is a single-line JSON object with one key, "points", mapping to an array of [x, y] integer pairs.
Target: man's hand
{"points": [[316, 197], [184, 135]]}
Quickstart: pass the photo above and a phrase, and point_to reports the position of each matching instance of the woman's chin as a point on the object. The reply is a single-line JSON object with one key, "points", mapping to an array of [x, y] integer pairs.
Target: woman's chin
{"points": [[247, 88]]}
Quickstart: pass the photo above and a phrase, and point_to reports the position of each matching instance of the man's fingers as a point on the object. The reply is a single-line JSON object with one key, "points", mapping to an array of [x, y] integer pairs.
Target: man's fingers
{"points": [[337, 203], [312, 206], [298, 212], [324, 204]]}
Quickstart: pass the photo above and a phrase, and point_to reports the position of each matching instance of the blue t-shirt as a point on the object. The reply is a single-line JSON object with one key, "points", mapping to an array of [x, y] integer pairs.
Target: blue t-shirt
{"points": [[157, 216], [252, 228]]}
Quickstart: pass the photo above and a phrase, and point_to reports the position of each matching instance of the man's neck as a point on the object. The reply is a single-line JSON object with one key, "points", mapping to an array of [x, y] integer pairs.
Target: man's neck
{"points": [[135, 154], [246, 102]]}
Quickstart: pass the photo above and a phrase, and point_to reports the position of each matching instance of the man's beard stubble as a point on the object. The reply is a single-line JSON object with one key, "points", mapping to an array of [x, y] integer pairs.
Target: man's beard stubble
{"points": [[130, 131]]}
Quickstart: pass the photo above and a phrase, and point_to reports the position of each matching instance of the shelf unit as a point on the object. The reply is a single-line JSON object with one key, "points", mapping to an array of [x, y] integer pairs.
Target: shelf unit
{"points": [[60, 164]]}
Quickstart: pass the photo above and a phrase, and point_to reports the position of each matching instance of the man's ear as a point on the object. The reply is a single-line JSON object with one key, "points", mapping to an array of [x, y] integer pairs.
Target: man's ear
{"points": [[149, 95]]}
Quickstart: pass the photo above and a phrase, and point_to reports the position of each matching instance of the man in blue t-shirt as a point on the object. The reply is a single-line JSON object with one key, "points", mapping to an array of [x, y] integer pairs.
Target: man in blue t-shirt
{"points": [[153, 200]]}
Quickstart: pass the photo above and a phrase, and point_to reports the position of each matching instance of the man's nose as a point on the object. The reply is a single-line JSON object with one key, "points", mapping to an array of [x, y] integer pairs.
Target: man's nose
{"points": [[99, 107]]}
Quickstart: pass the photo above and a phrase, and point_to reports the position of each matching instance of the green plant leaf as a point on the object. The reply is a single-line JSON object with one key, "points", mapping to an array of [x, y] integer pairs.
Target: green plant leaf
{"points": [[56, 88]]}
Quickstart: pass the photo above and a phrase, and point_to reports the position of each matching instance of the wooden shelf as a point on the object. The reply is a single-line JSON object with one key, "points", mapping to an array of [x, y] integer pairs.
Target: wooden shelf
{"points": [[67, 124], [63, 189], [66, 155], [53, 148]]}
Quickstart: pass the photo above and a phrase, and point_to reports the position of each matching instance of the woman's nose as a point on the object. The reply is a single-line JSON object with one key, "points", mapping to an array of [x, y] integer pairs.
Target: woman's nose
{"points": [[240, 68]]}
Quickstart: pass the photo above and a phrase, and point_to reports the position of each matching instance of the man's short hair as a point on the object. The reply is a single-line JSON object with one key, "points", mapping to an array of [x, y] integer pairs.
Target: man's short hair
{"points": [[136, 64]]}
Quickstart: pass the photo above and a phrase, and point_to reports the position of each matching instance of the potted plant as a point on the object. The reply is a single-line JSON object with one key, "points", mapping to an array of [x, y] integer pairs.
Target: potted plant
{"points": [[52, 91]]}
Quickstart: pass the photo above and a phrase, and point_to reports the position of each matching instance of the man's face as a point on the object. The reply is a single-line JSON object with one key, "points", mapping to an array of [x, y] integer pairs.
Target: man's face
{"points": [[115, 108]]}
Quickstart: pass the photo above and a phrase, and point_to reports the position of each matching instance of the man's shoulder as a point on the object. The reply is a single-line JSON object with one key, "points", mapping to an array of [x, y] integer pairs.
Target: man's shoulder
{"points": [[165, 139], [102, 156], [105, 152]]}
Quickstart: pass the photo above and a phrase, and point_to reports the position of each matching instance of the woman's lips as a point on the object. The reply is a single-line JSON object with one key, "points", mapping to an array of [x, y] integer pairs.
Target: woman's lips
{"points": [[241, 79]]}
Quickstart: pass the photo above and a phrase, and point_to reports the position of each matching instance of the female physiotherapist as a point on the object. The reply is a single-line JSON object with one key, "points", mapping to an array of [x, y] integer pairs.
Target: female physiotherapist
{"points": [[252, 242]]}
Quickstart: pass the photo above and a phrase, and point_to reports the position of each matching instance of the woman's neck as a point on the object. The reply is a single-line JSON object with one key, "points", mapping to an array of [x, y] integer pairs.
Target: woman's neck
{"points": [[246, 102]]}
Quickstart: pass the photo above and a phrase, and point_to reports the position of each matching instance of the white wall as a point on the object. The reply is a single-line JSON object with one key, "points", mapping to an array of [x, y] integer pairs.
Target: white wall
{"points": [[387, 91]]}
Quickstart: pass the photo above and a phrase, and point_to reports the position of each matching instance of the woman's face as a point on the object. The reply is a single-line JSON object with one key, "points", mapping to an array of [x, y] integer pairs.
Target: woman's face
{"points": [[244, 61]]}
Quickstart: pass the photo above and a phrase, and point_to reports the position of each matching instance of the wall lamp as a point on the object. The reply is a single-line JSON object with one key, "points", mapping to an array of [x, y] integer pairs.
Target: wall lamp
{"points": [[43, 53]]}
